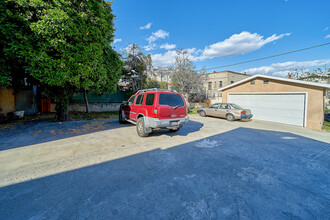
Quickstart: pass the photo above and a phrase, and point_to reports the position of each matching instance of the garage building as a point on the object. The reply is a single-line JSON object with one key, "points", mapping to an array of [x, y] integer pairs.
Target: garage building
{"points": [[282, 100]]}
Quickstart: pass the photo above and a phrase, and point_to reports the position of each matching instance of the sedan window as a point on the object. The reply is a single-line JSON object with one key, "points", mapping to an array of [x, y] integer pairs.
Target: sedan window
{"points": [[236, 106], [224, 106], [215, 106]]}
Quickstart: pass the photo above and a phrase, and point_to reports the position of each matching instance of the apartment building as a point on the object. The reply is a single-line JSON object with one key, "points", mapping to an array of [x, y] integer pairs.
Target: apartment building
{"points": [[217, 80]]}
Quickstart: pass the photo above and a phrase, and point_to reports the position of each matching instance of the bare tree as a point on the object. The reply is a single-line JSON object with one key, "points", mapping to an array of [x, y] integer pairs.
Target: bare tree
{"points": [[186, 79], [316, 75]]}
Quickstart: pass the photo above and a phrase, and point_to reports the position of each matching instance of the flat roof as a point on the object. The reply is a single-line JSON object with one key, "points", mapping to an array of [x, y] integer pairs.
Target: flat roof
{"points": [[324, 85], [227, 71]]}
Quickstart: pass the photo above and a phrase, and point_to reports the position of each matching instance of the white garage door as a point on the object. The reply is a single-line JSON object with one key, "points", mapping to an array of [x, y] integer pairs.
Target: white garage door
{"points": [[285, 108]]}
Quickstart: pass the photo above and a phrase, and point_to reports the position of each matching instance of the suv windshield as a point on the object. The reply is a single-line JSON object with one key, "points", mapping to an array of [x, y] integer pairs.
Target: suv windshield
{"points": [[170, 99]]}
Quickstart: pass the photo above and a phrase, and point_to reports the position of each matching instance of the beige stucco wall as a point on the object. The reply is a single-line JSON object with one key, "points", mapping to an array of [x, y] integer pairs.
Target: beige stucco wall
{"points": [[7, 101], [315, 103]]}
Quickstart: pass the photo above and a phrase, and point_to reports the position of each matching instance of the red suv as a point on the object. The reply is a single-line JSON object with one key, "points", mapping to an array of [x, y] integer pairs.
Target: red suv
{"points": [[152, 108]]}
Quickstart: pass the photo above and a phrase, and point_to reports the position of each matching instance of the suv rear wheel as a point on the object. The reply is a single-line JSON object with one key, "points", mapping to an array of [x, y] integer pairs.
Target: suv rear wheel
{"points": [[140, 128], [174, 129]]}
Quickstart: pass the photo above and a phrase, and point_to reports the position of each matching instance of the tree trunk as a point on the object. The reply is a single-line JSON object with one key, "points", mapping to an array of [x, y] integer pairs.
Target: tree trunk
{"points": [[86, 102], [185, 96], [61, 111], [62, 102]]}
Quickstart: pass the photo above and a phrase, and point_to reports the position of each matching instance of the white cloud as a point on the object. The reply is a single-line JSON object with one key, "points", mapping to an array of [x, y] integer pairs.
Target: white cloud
{"points": [[158, 34], [168, 58], [150, 47], [167, 46], [325, 28], [328, 36], [236, 44], [117, 40], [242, 43], [282, 69], [147, 26], [161, 34]]}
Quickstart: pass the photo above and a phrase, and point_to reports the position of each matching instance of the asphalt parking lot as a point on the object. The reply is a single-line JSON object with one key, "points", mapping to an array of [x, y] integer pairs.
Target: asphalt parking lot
{"points": [[210, 169]]}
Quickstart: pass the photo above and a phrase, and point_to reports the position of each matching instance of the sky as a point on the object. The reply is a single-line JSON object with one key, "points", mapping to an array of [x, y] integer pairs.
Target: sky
{"points": [[223, 32]]}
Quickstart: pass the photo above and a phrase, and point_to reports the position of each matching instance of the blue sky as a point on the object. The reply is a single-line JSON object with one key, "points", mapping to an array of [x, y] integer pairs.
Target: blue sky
{"points": [[218, 32]]}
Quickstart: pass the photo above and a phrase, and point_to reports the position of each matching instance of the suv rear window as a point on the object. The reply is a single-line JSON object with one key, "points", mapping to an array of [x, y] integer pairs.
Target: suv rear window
{"points": [[150, 99], [170, 99]]}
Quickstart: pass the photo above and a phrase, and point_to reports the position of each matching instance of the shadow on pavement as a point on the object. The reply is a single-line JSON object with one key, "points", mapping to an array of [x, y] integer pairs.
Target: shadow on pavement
{"points": [[191, 126], [37, 132], [243, 173]]}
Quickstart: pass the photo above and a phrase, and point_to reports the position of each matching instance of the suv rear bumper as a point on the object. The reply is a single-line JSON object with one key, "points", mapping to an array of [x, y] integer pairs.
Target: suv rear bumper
{"points": [[165, 123]]}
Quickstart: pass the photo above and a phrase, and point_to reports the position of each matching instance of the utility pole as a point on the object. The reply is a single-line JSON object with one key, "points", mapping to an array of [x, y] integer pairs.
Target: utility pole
{"points": [[161, 80]]}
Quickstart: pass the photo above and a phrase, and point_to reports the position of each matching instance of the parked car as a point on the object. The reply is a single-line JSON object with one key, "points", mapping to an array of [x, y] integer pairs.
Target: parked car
{"points": [[152, 108], [230, 111]]}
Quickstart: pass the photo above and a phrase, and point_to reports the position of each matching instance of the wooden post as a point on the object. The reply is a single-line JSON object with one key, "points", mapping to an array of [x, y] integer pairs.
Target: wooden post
{"points": [[86, 102]]}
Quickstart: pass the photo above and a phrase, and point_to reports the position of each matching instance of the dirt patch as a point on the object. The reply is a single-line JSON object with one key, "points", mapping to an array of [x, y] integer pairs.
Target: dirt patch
{"points": [[91, 126]]}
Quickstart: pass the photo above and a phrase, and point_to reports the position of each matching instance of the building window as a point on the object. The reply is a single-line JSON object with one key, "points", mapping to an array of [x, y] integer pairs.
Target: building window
{"points": [[215, 84], [231, 82], [252, 82], [210, 85], [220, 84], [266, 81]]}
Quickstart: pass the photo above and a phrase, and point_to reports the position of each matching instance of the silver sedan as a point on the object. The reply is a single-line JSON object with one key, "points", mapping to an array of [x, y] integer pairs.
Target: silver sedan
{"points": [[230, 111]]}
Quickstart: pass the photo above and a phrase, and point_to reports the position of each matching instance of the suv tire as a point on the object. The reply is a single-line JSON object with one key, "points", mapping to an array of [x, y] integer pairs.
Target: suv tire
{"points": [[230, 117], [202, 113], [140, 128], [120, 117], [174, 129]]}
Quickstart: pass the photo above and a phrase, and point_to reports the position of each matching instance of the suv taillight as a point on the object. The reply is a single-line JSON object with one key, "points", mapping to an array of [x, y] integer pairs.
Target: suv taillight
{"points": [[154, 113]]}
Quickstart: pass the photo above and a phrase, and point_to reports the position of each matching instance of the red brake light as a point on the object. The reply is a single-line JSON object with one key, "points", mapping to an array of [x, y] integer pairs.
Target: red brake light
{"points": [[243, 112]]}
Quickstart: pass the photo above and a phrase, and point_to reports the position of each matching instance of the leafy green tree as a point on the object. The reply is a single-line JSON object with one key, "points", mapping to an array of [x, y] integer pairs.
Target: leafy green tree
{"points": [[136, 68], [63, 44], [152, 83]]}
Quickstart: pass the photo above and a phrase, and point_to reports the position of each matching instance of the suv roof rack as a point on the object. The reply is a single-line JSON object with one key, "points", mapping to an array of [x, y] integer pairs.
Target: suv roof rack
{"points": [[153, 90]]}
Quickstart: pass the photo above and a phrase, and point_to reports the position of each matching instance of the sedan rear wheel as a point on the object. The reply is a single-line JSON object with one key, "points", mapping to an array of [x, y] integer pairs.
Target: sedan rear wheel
{"points": [[202, 113], [230, 117]]}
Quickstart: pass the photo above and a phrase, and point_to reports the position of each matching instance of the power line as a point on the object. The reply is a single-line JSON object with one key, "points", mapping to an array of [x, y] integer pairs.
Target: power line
{"points": [[277, 55]]}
